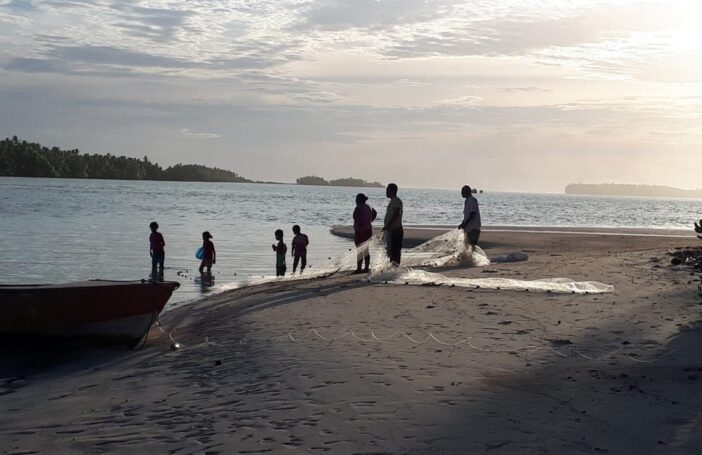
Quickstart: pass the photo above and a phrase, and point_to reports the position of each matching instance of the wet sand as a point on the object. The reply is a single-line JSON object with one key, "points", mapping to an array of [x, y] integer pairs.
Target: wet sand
{"points": [[341, 366]]}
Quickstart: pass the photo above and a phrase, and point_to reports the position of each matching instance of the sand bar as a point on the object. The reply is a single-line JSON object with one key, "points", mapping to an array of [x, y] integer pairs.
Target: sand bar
{"points": [[342, 366]]}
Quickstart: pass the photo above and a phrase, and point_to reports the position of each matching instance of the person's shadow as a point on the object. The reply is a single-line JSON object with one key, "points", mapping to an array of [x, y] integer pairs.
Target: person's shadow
{"points": [[644, 398], [23, 358]]}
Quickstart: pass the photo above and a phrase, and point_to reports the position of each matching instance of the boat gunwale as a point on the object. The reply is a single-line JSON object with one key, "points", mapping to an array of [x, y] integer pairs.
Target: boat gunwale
{"points": [[88, 284]]}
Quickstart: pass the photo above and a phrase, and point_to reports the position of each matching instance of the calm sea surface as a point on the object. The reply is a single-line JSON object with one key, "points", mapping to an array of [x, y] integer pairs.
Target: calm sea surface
{"points": [[58, 230]]}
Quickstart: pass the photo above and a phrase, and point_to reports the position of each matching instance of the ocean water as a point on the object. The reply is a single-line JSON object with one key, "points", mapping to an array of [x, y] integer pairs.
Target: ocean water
{"points": [[59, 230]]}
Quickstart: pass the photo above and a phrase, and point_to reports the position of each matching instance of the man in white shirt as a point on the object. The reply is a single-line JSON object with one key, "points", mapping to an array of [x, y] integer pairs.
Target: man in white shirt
{"points": [[471, 218], [392, 227]]}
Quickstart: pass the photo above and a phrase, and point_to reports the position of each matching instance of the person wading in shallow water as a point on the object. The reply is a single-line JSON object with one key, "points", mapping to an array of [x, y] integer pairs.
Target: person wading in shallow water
{"points": [[156, 250], [363, 216], [210, 256], [280, 251], [299, 249], [471, 218], [393, 225]]}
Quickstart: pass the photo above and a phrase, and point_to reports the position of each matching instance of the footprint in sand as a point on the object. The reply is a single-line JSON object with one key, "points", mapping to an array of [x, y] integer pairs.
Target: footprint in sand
{"points": [[363, 404]]}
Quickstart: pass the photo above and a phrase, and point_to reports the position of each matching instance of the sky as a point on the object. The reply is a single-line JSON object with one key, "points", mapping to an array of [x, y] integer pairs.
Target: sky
{"points": [[503, 95]]}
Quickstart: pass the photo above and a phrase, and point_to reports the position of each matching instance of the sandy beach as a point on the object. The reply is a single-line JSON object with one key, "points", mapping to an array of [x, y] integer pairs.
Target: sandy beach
{"points": [[343, 366]]}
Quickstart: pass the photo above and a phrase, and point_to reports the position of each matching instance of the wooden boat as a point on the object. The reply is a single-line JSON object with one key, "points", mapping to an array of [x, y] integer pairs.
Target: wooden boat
{"points": [[112, 310]]}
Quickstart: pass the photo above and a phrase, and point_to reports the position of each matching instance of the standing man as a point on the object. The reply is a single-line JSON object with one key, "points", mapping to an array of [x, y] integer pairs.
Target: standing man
{"points": [[393, 225], [471, 218]]}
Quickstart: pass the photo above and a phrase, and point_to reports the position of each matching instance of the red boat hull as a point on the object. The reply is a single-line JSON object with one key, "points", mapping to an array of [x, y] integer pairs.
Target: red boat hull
{"points": [[106, 309]]}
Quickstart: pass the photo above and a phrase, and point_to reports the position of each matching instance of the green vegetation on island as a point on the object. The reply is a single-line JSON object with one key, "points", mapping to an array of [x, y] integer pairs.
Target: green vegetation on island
{"points": [[353, 182], [615, 189], [20, 158], [25, 159]]}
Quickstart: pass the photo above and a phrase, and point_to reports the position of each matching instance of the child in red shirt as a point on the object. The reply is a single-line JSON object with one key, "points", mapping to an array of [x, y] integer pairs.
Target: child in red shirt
{"points": [[156, 248]]}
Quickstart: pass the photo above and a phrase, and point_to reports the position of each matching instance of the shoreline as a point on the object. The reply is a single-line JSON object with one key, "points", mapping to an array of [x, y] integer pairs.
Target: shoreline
{"points": [[417, 234], [346, 231], [339, 365], [251, 182]]}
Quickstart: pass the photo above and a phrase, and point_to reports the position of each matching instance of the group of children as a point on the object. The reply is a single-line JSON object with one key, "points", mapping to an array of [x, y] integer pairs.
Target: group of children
{"points": [[209, 256], [299, 251]]}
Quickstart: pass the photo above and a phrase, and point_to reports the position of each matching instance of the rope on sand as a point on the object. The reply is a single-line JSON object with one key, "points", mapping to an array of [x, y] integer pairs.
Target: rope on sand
{"points": [[527, 351], [174, 344]]}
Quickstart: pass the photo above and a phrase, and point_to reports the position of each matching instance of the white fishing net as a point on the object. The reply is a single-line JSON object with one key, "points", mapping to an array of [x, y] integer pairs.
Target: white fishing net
{"points": [[448, 249], [443, 250], [422, 277]]}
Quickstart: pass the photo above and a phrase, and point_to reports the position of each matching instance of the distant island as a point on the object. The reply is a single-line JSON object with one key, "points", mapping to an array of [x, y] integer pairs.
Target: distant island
{"points": [[25, 159], [19, 158], [319, 181], [615, 189]]}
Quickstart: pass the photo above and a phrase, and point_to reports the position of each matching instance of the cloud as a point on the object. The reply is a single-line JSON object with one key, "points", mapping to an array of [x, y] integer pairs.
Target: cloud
{"points": [[201, 38], [524, 89], [106, 55], [317, 97], [343, 14], [159, 24], [192, 135], [468, 100], [114, 60], [19, 6], [510, 36], [341, 83], [519, 31]]}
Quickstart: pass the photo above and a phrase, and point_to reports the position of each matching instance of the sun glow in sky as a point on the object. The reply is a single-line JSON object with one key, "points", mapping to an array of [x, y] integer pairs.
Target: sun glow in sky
{"points": [[520, 95]]}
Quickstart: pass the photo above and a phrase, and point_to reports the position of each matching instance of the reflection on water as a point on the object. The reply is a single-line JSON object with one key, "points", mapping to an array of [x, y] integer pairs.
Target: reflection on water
{"points": [[206, 282], [156, 275], [58, 230]]}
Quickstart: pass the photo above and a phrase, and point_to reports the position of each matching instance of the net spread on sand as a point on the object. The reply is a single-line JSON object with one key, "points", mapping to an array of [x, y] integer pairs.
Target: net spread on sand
{"points": [[449, 249]]}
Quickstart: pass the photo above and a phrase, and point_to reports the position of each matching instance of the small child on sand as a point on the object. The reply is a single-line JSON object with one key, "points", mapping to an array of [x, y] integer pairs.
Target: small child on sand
{"points": [[299, 249], [280, 251], [156, 248], [209, 256]]}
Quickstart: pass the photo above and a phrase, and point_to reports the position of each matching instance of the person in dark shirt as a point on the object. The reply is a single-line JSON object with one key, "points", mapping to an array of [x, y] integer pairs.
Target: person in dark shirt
{"points": [[299, 249], [280, 251], [363, 216], [392, 227], [471, 224], [210, 256], [156, 249]]}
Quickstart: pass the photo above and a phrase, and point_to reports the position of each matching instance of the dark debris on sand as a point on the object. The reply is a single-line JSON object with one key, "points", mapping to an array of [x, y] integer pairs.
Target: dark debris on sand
{"points": [[690, 257]]}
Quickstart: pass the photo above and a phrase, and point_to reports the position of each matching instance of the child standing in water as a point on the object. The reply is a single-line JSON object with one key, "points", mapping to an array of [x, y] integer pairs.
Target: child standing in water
{"points": [[209, 257], [280, 251], [156, 249], [299, 249]]}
